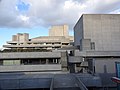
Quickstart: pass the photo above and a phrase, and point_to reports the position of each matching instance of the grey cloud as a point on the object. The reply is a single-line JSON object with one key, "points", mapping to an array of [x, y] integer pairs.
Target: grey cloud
{"points": [[52, 12], [80, 1], [9, 15], [103, 7]]}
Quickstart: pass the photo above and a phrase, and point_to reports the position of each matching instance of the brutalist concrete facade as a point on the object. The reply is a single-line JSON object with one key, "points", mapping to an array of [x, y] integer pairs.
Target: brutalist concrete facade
{"points": [[99, 33], [58, 38], [97, 37], [33, 61], [102, 32], [59, 31]]}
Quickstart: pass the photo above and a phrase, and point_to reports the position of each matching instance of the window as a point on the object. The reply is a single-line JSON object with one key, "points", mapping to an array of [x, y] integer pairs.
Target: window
{"points": [[53, 61], [92, 45]]}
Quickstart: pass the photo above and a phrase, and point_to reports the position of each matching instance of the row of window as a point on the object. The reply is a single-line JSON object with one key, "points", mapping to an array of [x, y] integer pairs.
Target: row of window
{"points": [[43, 43], [30, 62]]}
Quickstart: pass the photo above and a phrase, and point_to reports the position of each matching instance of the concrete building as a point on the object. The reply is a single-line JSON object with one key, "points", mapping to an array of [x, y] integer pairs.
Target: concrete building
{"points": [[97, 37], [39, 53], [58, 38], [33, 62], [98, 32], [59, 31], [20, 37]]}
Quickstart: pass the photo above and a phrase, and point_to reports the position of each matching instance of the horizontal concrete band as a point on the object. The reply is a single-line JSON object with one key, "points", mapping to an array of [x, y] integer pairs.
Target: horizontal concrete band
{"points": [[97, 53], [28, 46], [20, 55], [19, 68], [75, 59]]}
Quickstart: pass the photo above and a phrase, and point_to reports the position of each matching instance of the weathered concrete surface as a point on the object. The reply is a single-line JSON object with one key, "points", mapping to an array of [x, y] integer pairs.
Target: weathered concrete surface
{"points": [[75, 59], [97, 53], [102, 29], [21, 68], [22, 81], [20, 55], [25, 81], [60, 81]]}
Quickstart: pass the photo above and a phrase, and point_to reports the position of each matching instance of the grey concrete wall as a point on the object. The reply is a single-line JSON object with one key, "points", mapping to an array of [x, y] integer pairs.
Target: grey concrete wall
{"points": [[105, 65], [97, 53], [14, 68], [90, 80], [103, 59], [64, 63], [75, 59], [85, 44], [102, 29], [78, 32], [25, 83], [17, 55], [59, 31]]}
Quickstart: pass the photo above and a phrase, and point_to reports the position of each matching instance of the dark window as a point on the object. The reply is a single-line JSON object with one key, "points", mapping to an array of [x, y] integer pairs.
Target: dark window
{"points": [[92, 45]]}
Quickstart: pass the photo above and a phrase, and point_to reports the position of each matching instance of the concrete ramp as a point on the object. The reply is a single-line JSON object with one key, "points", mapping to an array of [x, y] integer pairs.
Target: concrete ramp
{"points": [[21, 81], [70, 88], [66, 82]]}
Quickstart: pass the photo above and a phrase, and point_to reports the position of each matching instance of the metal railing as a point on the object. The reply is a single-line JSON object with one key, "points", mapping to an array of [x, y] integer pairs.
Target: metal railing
{"points": [[52, 83], [81, 85]]}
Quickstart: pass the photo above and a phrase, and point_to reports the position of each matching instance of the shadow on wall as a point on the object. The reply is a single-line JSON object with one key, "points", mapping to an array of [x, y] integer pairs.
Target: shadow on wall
{"points": [[105, 69]]}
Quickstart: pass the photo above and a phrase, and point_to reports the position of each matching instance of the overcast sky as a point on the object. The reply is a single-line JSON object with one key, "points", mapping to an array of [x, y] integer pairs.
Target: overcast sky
{"points": [[36, 16]]}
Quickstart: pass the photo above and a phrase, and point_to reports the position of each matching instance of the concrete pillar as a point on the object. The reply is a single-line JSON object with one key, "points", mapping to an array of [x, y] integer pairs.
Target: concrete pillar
{"points": [[47, 61], [72, 68], [64, 61]]}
